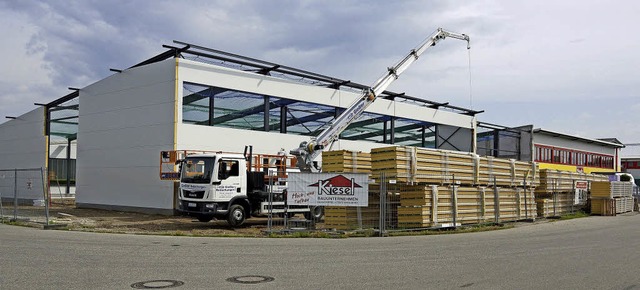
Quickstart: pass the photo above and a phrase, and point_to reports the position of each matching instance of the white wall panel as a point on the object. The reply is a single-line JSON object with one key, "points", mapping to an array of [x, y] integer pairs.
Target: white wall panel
{"points": [[22, 141], [195, 137], [124, 122], [137, 187]]}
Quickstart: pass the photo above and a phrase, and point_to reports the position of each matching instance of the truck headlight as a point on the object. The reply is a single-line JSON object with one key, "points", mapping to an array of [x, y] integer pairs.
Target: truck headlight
{"points": [[209, 205]]}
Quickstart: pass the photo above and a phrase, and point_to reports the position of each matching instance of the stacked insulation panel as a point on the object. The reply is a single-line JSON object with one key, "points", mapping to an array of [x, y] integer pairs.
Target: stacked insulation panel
{"points": [[425, 206], [558, 204], [556, 181], [462, 182], [556, 194], [611, 198], [412, 164], [344, 161], [341, 217], [431, 166], [506, 172]]}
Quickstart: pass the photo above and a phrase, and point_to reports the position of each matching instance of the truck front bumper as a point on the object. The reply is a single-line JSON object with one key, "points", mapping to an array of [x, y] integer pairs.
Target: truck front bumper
{"points": [[193, 208]]}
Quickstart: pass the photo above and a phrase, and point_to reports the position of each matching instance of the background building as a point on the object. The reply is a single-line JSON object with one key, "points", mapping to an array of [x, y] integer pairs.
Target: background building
{"points": [[195, 98], [551, 150]]}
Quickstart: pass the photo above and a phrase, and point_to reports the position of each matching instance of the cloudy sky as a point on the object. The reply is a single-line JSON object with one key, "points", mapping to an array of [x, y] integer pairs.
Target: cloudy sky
{"points": [[567, 66]]}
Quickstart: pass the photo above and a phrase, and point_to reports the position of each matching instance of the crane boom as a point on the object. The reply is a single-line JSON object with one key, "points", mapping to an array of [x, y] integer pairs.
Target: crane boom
{"points": [[309, 150]]}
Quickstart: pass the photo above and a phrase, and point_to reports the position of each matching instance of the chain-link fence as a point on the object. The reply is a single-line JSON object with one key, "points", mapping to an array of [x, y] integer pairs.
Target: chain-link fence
{"points": [[282, 216], [419, 203], [430, 202], [23, 195]]}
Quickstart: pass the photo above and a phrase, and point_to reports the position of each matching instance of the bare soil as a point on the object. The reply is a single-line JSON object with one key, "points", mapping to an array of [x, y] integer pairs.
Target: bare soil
{"points": [[96, 220]]}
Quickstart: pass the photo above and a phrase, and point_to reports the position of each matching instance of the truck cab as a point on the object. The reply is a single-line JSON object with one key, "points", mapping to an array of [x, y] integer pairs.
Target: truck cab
{"points": [[215, 185], [223, 186]]}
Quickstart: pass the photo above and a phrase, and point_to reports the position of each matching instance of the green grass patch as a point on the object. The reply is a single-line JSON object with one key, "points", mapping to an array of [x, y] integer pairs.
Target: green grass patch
{"points": [[579, 214], [309, 234], [458, 230]]}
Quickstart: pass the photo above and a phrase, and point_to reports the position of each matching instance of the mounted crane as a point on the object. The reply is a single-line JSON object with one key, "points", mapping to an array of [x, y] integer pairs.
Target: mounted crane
{"points": [[307, 151]]}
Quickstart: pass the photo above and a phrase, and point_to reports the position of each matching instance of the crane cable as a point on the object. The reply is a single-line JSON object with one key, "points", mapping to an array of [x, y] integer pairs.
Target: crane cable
{"points": [[470, 87]]}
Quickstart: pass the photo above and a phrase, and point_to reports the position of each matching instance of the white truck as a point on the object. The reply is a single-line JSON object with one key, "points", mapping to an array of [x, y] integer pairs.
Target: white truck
{"points": [[223, 185]]}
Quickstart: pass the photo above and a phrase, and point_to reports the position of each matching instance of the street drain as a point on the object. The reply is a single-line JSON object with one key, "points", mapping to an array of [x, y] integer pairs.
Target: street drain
{"points": [[157, 284], [250, 279]]}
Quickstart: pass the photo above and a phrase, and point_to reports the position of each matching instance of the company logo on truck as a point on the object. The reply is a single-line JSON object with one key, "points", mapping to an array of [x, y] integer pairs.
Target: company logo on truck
{"points": [[337, 185]]}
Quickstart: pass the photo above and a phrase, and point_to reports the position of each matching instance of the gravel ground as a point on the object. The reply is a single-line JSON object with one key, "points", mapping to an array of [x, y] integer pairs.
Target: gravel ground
{"points": [[68, 217], [96, 220]]}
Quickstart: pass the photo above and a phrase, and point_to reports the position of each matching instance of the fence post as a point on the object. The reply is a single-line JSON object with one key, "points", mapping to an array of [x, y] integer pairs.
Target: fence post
{"points": [[483, 205], [434, 205], [15, 194], [555, 198], [518, 204], [46, 197], [526, 204], [1, 209], [359, 216], [270, 215], [496, 200], [454, 202], [383, 204]]}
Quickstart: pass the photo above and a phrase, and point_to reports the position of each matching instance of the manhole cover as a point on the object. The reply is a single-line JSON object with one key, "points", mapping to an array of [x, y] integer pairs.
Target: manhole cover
{"points": [[157, 284], [250, 279]]}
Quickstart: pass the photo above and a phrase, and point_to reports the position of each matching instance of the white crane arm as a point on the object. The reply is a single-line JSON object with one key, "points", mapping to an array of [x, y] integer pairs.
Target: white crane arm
{"points": [[309, 150]]}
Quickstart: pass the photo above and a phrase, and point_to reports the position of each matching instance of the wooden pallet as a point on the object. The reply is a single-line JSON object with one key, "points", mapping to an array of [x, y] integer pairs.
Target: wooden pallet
{"points": [[603, 206]]}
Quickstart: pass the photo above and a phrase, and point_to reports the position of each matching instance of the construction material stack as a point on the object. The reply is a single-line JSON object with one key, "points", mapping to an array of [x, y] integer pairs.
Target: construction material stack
{"points": [[442, 188], [341, 217], [611, 197], [425, 205], [563, 192]]}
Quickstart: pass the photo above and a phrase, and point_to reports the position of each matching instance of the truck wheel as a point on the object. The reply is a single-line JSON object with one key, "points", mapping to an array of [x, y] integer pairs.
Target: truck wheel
{"points": [[205, 218], [236, 215], [315, 213]]}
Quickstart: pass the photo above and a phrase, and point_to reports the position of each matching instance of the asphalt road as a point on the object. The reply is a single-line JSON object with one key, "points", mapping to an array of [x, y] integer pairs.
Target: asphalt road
{"points": [[587, 253]]}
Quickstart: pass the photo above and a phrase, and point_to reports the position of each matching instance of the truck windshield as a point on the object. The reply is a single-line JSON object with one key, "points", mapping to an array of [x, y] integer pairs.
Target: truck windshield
{"points": [[197, 170]]}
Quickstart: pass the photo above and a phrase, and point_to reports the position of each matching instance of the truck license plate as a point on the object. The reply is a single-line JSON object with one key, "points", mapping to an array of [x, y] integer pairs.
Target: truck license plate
{"points": [[191, 204]]}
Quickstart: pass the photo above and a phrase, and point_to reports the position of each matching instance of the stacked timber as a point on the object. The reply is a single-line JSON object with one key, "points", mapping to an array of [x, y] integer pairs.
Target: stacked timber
{"points": [[624, 204], [341, 161], [556, 194], [422, 165], [616, 195], [556, 181], [558, 204], [346, 218], [506, 172], [611, 189], [342, 217], [412, 164], [434, 188], [426, 206]]}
